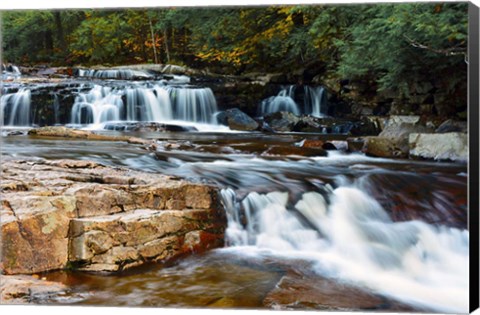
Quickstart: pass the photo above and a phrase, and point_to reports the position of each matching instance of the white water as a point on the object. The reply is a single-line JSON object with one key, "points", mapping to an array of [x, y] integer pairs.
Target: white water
{"points": [[16, 106], [353, 239], [98, 105], [315, 102], [193, 104], [158, 103], [122, 74], [282, 102]]}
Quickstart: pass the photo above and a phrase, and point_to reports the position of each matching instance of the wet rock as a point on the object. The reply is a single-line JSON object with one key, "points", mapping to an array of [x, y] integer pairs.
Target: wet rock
{"points": [[447, 206], [365, 127], [335, 126], [27, 289], [34, 236], [311, 124], [295, 291], [451, 125], [238, 120], [78, 212], [309, 143], [148, 127], [326, 145], [117, 242], [281, 121], [55, 131], [393, 141], [446, 146], [401, 119], [355, 144], [294, 150], [384, 147]]}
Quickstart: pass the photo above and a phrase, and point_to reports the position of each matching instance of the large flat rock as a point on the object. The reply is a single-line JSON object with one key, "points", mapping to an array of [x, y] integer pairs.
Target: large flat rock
{"points": [[295, 291], [444, 146], [66, 213], [112, 242]]}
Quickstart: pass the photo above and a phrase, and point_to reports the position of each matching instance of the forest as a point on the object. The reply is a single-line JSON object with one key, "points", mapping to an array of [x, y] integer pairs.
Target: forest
{"points": [[389, 44]]}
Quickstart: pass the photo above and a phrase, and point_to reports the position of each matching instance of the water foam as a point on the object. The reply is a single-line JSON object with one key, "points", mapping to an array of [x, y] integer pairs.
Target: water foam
{"points": [[353, 239]]}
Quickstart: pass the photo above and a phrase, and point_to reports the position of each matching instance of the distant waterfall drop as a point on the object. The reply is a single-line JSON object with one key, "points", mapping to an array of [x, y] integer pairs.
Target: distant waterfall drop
{"points": [[193, 104], [15, 108], [314, 101], [157, 103]]}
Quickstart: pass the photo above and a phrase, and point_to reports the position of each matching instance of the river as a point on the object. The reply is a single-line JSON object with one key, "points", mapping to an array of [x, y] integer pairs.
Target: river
{"points": [[393, 232]]}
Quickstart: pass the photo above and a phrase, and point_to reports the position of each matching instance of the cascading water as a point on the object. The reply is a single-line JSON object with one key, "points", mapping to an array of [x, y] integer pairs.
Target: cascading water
{"points": [[120, 74], [353, 239], [99, 105], [145, 104], [15, 108], [158, 103], [193, 104], [314, 101], [56, 109], [284, 101]]}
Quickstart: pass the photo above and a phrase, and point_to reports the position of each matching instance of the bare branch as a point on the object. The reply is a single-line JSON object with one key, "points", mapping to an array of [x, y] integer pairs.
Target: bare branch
{"points": [[458, 50]]}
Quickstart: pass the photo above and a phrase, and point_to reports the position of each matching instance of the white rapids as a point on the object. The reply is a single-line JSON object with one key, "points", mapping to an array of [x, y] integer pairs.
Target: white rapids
{"points": [[353, 239]]}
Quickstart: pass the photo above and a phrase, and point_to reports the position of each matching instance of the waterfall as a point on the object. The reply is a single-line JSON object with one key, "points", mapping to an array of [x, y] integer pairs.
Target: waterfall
{"points": [[99, 105], [284, 101], [145, 104], [193, 104], [117, 74], [353, 239], [157, 103], [314, 101], [16, 70], [15, 108], [56, 108]]}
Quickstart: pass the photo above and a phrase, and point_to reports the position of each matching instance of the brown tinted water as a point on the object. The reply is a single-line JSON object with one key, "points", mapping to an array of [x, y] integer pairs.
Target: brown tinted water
{"points": [[433, 192]]}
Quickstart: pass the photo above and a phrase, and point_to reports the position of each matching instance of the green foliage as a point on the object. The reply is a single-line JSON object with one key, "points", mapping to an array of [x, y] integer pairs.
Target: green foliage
{"points": [[391, 44], [394, 44]]}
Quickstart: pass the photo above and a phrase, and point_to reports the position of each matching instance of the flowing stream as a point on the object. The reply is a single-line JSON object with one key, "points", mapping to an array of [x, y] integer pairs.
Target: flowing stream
{"points": [[334, 214], [394, 229]]}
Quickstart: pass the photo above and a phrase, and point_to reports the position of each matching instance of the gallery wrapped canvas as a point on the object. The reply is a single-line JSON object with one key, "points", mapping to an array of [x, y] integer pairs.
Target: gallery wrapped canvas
{"points": [[308, 157]]}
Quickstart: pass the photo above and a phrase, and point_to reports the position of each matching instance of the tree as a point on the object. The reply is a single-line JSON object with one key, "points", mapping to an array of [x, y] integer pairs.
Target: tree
{"points": [[398, 44]]}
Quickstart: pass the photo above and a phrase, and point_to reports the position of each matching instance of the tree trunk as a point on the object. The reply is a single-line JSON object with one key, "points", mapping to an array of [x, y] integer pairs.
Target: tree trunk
{"points": [[59, 30], [165, 39], [153, 40]]}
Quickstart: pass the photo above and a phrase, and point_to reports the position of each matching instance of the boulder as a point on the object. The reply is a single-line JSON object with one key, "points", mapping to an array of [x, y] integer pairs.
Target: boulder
{"points": [[365, 127], [393, 141], [238, 120], [447, 146], [384, 147], [120, 241], [451, 125], [310, 124], [282, 121], [355, 144], [85, 215]]}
